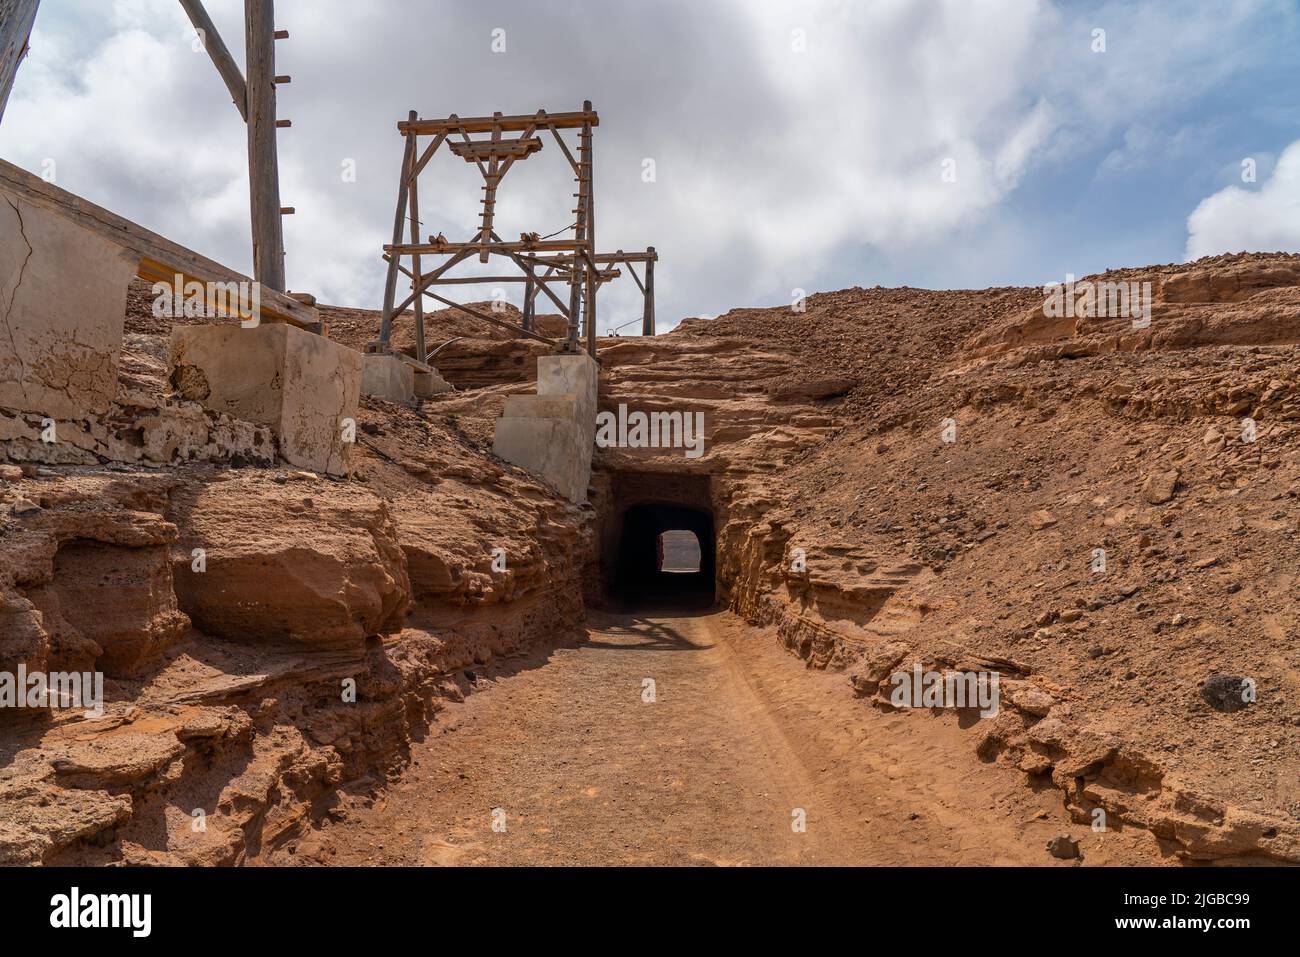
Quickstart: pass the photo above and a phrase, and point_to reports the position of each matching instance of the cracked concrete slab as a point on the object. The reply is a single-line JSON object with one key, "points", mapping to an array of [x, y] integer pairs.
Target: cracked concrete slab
{"points": [[62, 307]]}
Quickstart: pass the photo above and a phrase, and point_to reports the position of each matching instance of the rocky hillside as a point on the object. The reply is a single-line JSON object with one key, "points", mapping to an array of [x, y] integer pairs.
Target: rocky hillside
{"points": [[985, 551], [1105, 515], [268, 636]]}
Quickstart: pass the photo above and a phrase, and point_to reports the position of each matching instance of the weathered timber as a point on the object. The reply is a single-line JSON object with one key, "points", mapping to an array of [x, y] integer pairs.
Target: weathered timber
{"points": [[507, 124], [263, 165], [220, 55], [496, 149], [16, 19]]}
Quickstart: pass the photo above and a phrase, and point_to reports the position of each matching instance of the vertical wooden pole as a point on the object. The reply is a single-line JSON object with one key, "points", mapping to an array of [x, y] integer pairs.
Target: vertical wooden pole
{"points": [[528, 300], [413, 189], [575, 267], [589, 219], [395, 259], [16, 19], [575, 306], [263, 167], [648, 315]]}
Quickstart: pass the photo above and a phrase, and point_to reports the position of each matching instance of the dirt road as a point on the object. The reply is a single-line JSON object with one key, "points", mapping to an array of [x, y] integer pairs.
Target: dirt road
{"points": [[575, 758]]}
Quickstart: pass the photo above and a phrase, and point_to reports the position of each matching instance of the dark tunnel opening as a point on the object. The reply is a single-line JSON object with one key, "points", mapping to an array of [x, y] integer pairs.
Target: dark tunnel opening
{"points": [[659, 545]]}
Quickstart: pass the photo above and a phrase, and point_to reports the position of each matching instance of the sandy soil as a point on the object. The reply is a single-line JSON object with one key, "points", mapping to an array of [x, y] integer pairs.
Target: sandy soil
{"points": [[711, 772]]}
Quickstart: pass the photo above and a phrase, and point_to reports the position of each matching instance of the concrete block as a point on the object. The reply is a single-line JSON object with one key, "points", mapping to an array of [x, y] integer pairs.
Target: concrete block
{"points": [[62, 307], [575, 375], [541, 407], [550, 449], [553, 433], [388, 377], [303, 386], [429, 384]]}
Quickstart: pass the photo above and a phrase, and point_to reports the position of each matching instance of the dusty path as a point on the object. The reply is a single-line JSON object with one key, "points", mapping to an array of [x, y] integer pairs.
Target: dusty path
{"points": [[740, 735]]}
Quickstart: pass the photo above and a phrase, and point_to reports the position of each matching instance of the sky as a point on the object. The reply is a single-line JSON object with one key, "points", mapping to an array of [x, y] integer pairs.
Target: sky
{"points": [[811, 145]]}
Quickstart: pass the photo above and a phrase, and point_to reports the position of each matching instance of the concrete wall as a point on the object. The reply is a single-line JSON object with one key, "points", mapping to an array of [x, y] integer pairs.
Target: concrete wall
{"points": [[62, 303]]}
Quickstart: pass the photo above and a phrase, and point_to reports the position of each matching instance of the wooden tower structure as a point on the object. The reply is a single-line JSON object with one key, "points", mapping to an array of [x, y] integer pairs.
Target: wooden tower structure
{"points": [[545, 264]]}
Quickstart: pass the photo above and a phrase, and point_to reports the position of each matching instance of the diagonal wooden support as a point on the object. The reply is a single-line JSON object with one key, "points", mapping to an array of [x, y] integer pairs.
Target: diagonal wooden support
{"points": [[220, 55]]}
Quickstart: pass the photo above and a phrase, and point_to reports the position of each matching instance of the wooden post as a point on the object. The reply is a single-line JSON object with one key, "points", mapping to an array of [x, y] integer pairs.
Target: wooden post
{"points": [[16, 19], [263, 167], [221, 57], [394, 261], [589, 232], [528, 301], [575, 304], [412, 179], [575, 267], [648, 315]]}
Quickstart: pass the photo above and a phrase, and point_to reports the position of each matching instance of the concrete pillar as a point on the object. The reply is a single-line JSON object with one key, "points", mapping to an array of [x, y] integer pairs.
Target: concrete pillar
{"points": [[553, 433], [431, 383], [304, 387], [386, 376]]}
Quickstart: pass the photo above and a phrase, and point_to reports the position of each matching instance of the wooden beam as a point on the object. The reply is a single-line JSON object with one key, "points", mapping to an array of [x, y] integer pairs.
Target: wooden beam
{"points": [[16, 19], [220, 55], [160, 258], [263, 165], [489, 191], [431, 280], [427, 280], [604, 258], [399, 220], [524, 264], [413, 185], [605, 276], [587, 228], [507, 124], [469, 310], [428, 153], [564, 148], [425, 249], [517, 148]]}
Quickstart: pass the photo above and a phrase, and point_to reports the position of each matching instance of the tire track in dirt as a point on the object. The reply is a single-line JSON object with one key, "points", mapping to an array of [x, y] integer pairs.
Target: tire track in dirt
{"points": [[738, 737]]}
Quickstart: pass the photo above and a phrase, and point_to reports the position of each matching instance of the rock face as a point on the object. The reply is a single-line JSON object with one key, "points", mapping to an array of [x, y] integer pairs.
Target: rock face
{"points": [[118, 600], [299, 589], [1078, 530], [288, 564], [89, 586], [892, 478]]}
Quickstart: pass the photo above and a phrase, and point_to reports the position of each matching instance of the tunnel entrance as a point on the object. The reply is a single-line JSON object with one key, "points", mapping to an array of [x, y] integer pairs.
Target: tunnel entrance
{"points": [[658, 541]]}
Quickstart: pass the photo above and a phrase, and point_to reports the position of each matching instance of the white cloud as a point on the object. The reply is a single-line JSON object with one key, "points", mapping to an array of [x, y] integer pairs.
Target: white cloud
{"points": [[1266, 219], [775, 167]]}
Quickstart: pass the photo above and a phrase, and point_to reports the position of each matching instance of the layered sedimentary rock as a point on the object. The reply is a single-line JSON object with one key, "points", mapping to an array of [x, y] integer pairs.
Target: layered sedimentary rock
{"points": [[1103, 515]]}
